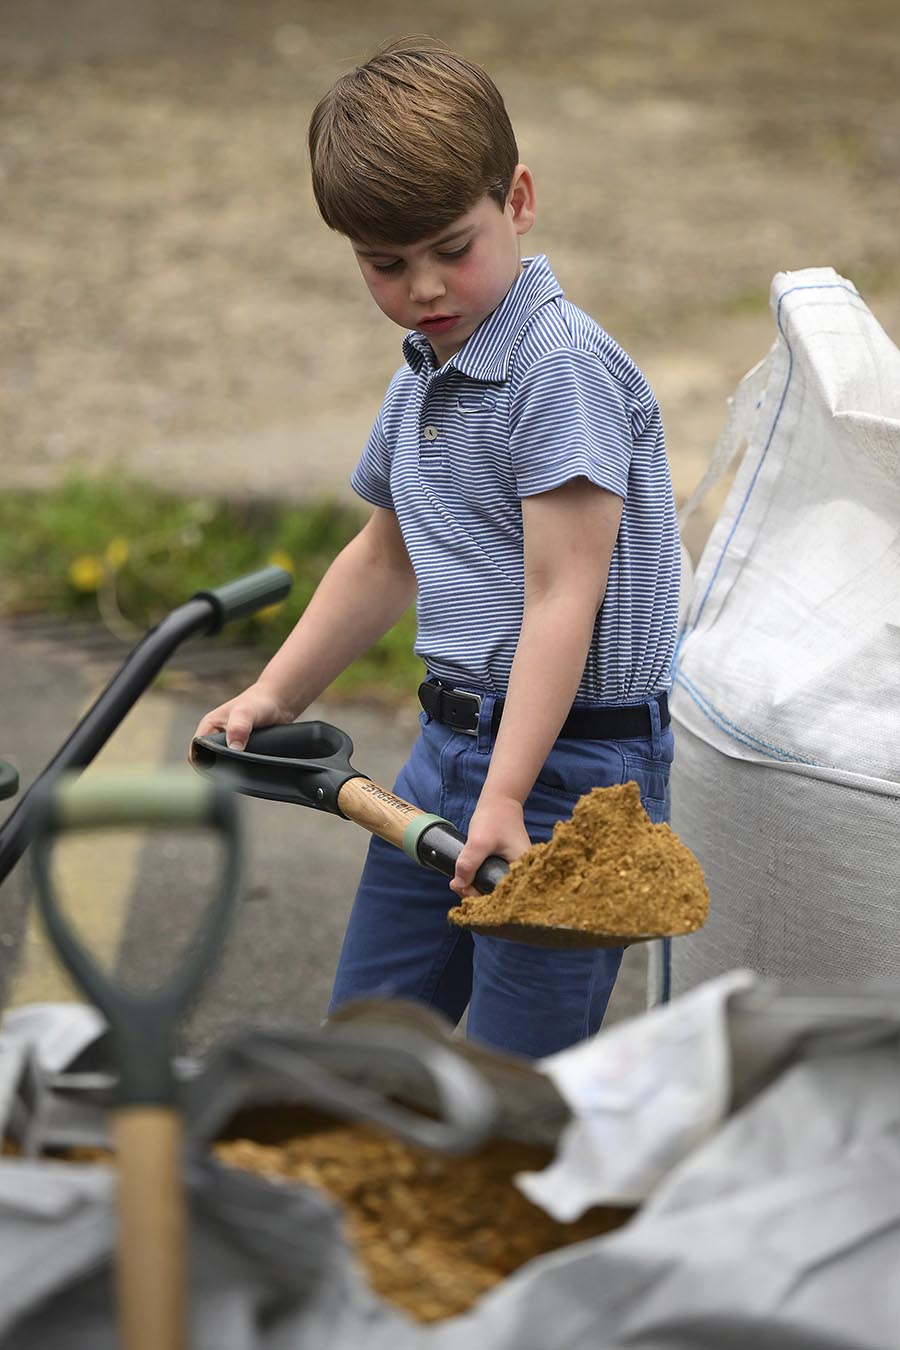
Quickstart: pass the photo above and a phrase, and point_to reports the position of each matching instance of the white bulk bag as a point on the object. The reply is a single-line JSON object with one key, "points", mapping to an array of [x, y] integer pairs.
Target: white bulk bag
{"points": [[759, 1233], [786, 706]]}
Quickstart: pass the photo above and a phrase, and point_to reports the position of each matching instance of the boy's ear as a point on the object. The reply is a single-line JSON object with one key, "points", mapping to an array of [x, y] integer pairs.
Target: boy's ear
{"points": [[520, 199]]}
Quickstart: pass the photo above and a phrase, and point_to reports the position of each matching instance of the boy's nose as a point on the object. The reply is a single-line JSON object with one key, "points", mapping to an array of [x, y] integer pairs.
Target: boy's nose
{"points": [[425, 286]]}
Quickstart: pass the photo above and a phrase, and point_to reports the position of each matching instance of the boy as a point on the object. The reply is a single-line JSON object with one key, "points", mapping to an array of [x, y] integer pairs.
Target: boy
{"points": [[521, 492]]}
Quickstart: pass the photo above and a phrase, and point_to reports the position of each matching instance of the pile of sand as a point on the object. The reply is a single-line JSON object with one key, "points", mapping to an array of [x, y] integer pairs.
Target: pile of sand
{"points": [[608, 869], [432, 1233]]}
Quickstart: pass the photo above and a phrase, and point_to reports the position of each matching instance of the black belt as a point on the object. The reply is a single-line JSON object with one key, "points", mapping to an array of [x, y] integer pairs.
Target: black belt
{"points": [[459, 709]]}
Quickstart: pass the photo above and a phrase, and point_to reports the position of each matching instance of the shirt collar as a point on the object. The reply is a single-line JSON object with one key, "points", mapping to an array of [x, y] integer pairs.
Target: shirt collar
{"points": [[486, 354]]}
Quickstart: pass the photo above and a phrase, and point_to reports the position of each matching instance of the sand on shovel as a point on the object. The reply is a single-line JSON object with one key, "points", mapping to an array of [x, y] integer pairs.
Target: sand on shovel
{"points": [[607, 870]]}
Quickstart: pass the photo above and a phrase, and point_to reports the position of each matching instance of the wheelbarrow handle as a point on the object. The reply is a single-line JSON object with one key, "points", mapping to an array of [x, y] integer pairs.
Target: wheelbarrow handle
{"points": [[206, 612], [9, 780], [246, 595]]}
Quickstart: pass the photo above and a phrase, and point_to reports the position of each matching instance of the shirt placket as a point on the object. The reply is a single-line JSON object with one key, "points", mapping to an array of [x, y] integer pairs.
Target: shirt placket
{"points": [[431, 438]]}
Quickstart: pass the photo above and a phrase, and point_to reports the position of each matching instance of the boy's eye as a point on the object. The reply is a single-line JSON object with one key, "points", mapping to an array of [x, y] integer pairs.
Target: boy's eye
{"points": [[388, 267], [457, 252]]}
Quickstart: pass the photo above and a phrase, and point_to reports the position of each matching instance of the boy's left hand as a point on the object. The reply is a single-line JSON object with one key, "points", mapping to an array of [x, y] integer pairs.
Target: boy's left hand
{"points": [[497, 827]]}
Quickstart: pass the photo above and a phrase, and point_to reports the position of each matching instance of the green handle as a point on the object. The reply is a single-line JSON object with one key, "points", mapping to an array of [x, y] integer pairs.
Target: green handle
{"points": [[9, 780], [168, 797], [246, 595], [142, 1024]]}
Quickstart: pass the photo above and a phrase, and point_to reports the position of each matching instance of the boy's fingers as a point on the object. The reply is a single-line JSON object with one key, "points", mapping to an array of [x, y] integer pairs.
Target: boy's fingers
{"points": [[213, 721], [237, 732], [205, 726], [467, 865]]}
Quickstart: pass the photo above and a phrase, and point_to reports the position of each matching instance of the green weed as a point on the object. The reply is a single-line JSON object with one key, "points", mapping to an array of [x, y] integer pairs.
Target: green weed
{"points": [[129, 553]]}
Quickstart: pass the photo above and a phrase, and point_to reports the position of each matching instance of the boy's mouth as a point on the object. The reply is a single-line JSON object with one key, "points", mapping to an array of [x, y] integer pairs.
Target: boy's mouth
{"points": [[437, 323]]}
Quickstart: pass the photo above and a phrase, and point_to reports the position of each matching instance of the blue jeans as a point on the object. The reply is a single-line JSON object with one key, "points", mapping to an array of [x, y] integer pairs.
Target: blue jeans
{"points": [[524, 1000]]}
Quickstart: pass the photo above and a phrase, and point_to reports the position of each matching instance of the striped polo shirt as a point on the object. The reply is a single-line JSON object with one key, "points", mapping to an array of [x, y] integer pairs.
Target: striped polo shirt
{"points": [[538, 395]]}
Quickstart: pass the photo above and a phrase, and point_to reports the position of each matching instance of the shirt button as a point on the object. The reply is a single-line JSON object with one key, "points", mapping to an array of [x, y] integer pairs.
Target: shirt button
{"points": [[431, 433]]}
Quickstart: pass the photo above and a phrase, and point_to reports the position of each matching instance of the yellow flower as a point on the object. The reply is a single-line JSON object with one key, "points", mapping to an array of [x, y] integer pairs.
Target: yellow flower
{"points": [[281, 559], [268, 614], [117, 551], [86, 572]]}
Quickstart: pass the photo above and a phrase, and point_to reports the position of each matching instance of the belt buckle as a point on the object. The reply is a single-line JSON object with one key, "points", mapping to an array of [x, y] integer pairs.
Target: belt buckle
{"points": [[462, 696]]}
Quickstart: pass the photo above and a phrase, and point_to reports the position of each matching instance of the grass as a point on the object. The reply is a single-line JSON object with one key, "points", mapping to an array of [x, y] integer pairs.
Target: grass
{"points": [[127, 554]]}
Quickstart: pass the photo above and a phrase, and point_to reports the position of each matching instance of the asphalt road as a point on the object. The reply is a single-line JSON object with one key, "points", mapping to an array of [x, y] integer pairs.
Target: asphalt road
{"points": [[136, 897]]}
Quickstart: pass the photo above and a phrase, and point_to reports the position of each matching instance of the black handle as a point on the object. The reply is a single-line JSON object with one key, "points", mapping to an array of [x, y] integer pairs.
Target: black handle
{"points": [[245, 595], [441, 844], [306, 763]]}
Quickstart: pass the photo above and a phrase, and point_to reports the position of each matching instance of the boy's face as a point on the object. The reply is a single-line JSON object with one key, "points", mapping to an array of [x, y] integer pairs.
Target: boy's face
{"points": [[446, 285]]}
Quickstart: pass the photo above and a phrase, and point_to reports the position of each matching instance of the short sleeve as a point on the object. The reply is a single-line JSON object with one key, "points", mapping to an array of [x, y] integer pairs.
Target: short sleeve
{"points": [[371, 479], [570, 418]]}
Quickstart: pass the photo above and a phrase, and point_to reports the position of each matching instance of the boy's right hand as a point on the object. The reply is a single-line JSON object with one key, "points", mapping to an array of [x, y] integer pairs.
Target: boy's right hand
{"points": [[255, 707]]}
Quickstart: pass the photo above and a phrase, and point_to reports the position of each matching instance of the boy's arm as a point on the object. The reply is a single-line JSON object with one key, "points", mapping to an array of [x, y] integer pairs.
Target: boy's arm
{"points": [[365, 590], [570, 533]]}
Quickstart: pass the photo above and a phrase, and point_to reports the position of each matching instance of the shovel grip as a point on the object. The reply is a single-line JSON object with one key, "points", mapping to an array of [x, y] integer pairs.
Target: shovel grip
{"points": [[439, 846], [152, 1246], [167, 797], [425, 838]]}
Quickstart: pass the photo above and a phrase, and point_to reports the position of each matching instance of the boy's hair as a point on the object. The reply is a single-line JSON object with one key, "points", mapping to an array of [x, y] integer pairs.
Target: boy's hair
{"points": [[408, 142]]}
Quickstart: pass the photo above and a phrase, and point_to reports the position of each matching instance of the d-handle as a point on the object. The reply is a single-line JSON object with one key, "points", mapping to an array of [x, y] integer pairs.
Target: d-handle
{"points": [[151, 1258], [308, 764]]}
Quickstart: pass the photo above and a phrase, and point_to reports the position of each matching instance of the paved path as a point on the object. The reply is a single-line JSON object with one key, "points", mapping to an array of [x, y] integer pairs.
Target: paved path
{"points": [[136, 898]]}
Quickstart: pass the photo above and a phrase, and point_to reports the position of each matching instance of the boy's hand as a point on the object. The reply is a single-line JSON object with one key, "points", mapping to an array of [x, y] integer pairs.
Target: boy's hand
{"points": [[255, 707], [497, 827]]}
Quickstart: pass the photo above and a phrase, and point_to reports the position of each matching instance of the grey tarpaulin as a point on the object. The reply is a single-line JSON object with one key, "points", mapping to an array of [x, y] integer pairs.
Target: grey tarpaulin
{"points": [[782, 1229]]}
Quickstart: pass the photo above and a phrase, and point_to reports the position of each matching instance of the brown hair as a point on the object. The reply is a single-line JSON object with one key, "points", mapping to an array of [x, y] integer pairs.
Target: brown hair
{"points": [[408, 142]]}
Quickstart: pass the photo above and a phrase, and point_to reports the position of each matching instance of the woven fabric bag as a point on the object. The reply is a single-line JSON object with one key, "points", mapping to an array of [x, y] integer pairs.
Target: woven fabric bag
{"points": [[786, 704]]}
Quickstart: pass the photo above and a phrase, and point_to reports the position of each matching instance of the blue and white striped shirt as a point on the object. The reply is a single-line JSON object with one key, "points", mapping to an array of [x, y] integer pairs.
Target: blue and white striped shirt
{"points": [[538, 395]]}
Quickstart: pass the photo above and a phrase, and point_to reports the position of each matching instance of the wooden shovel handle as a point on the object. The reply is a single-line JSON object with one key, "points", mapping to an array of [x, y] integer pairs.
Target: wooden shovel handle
{"points": [[151, 1253], [429, 840], [376, 809]]}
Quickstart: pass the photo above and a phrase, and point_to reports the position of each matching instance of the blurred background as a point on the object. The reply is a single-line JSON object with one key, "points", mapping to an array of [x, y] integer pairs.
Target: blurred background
{"points": [[172, 304]]}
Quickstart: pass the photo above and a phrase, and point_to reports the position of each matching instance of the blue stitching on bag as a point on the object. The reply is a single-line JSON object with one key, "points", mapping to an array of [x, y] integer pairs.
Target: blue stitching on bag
{"points": [[738, 733], [829, 286], [666, 991]]}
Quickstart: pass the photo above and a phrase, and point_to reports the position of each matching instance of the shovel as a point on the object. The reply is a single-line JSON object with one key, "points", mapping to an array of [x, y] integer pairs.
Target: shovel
{"points": [[308, 764], [152, 1223]]}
